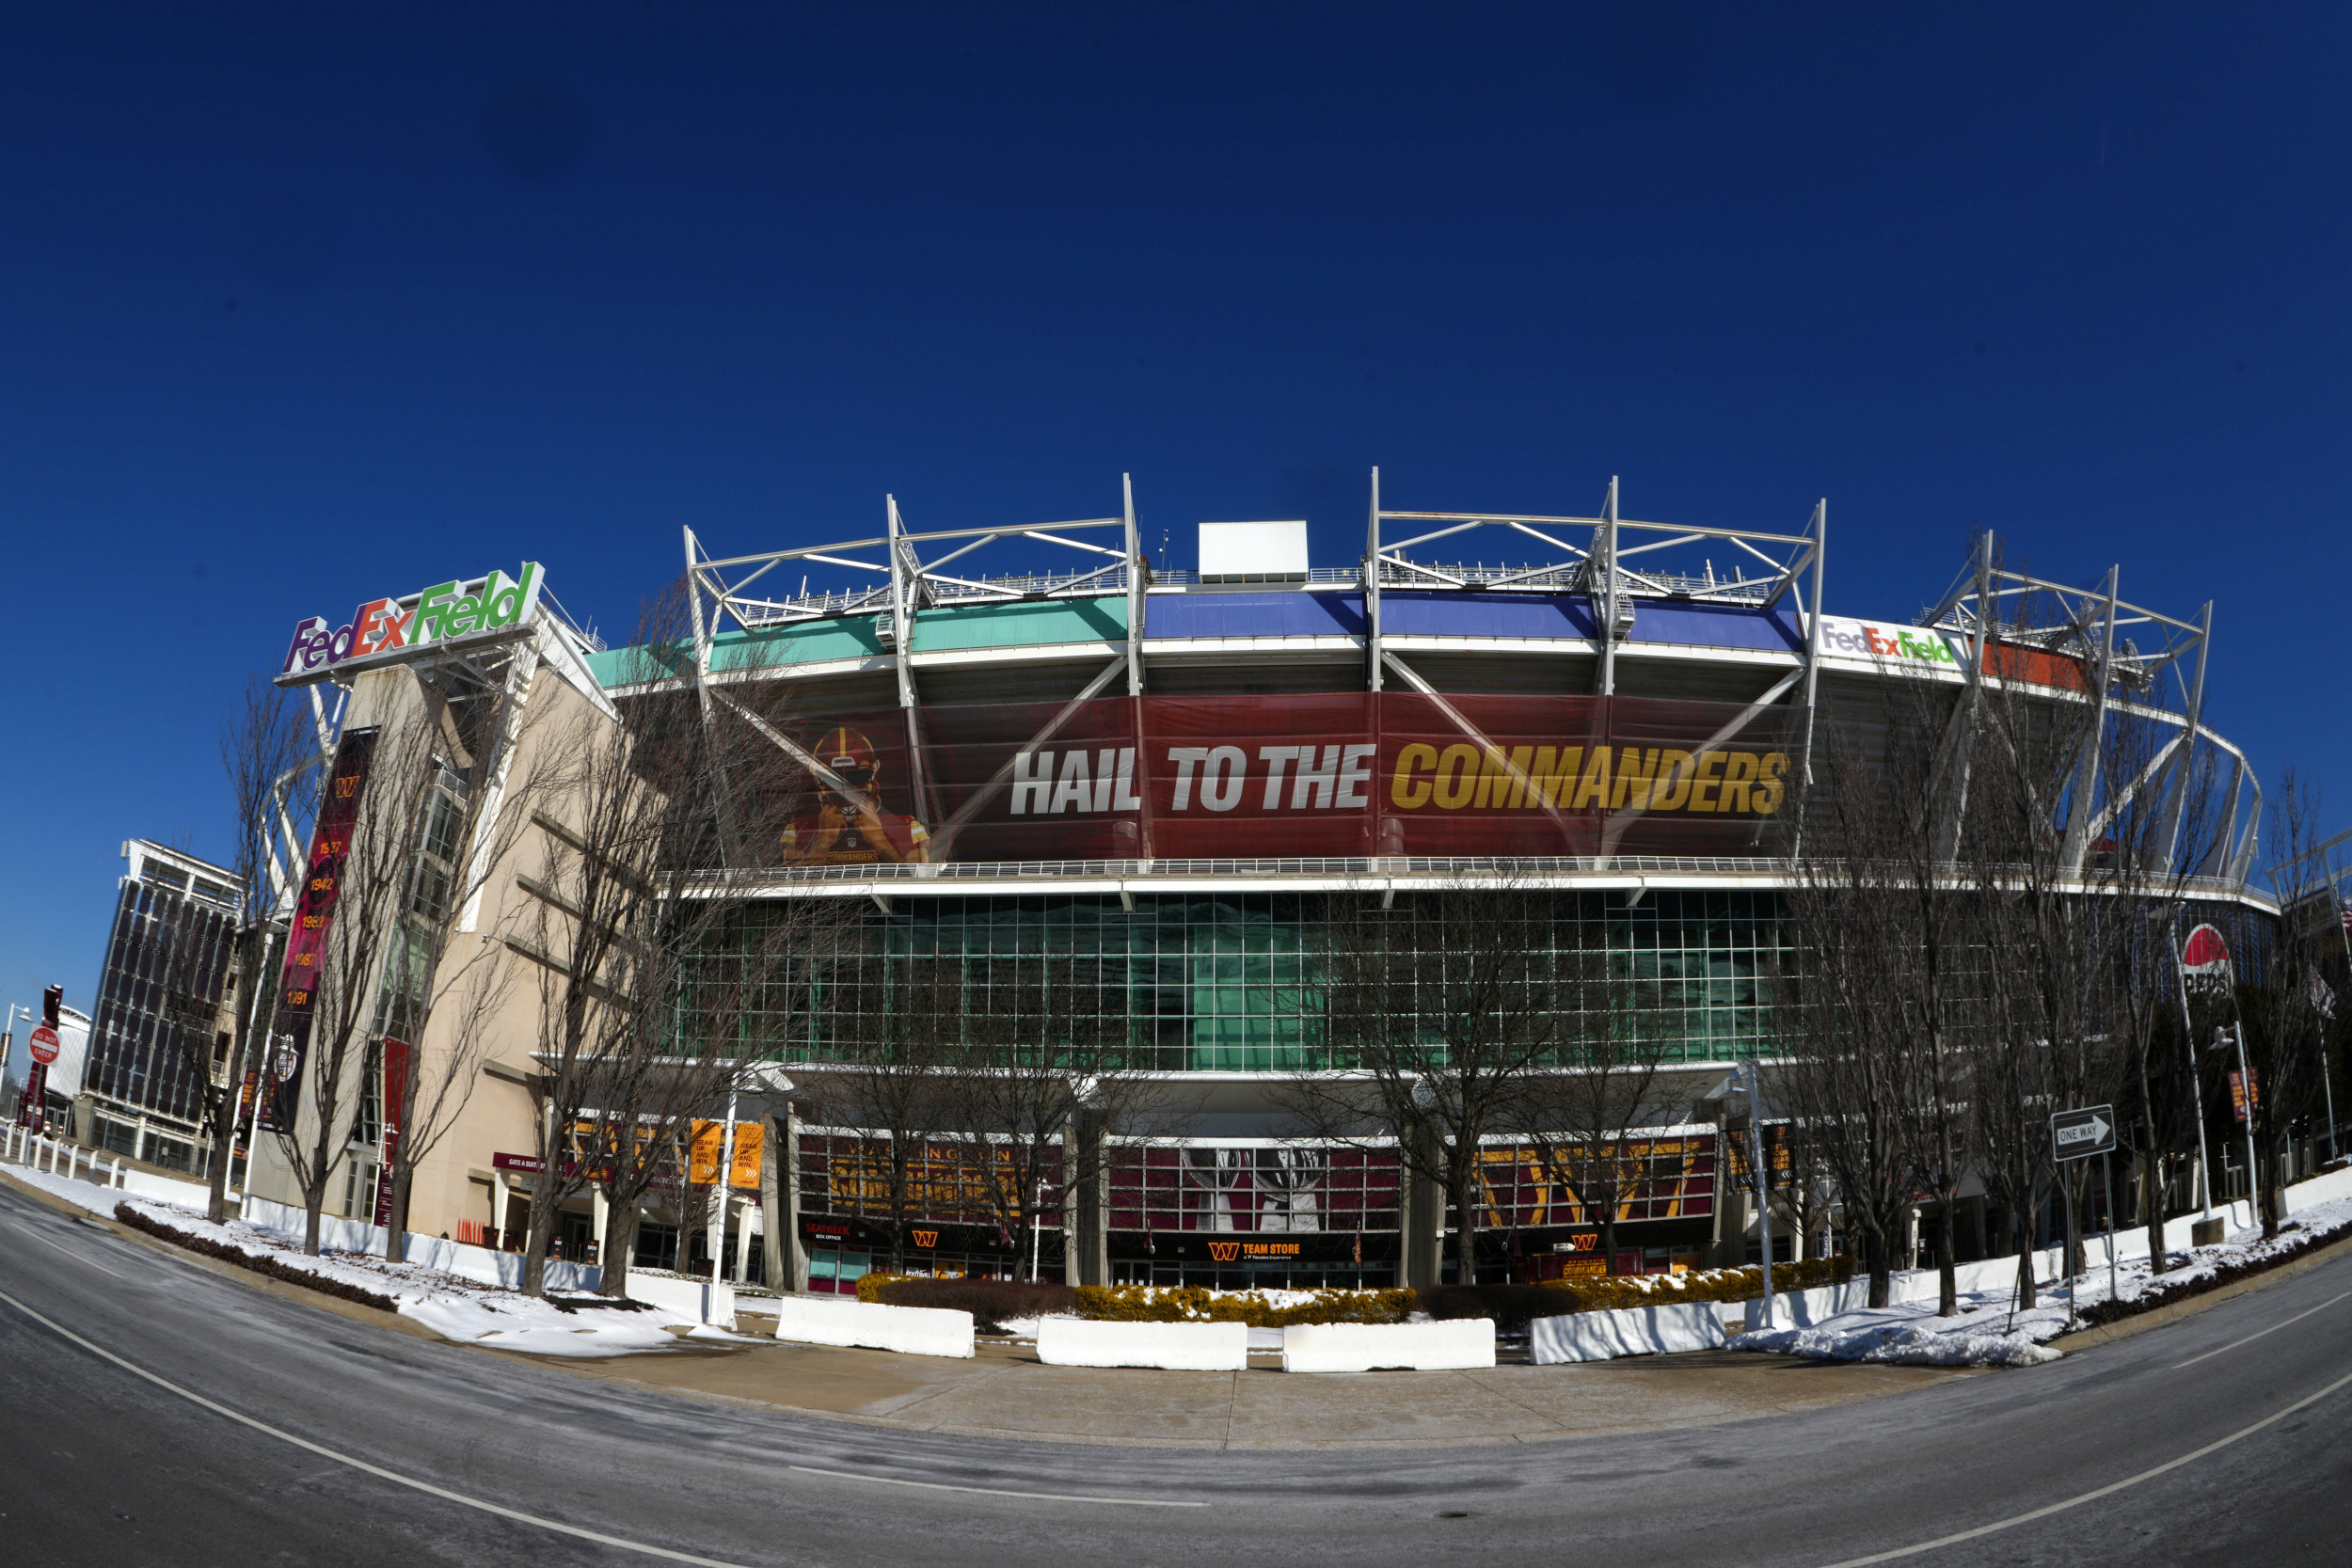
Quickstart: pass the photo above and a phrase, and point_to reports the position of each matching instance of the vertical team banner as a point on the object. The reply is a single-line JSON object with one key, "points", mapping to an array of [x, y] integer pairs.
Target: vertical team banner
{"points": [[1343, 774], [314, 917]]}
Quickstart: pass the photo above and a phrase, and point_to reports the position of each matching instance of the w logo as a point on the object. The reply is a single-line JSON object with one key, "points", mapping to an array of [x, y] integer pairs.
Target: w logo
{"points": [[926, 1238], [1224, 1252]]}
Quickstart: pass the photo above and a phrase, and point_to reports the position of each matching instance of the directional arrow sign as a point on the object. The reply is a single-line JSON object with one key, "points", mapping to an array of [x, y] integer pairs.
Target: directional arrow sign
{"points": [[2079, 1134]]}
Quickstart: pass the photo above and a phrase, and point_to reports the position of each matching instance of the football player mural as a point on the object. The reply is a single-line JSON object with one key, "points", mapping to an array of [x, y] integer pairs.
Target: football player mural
{"points": [[851, 829]]}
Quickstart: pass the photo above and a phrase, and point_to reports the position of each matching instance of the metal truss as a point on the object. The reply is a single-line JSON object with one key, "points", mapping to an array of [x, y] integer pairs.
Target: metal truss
{"points": [[1619, 561], [1989, 604]]}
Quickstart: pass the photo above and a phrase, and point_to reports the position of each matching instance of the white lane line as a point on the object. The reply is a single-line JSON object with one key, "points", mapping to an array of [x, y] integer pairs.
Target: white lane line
{"points": [[2259, 1333], [66, 1250], [2094, 1495], [997, 1491], [362, 1464]]}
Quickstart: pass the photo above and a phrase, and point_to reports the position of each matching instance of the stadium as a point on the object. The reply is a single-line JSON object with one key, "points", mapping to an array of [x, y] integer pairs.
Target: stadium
{"points": [[1155, 782]]}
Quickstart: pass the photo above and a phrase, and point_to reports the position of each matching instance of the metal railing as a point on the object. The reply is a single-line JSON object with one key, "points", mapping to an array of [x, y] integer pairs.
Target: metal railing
{"points": [[22, 1146]]}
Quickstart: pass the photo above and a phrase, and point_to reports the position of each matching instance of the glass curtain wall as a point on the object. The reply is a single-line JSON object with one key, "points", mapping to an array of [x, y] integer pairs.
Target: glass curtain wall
{"points": [[1228, 983]]}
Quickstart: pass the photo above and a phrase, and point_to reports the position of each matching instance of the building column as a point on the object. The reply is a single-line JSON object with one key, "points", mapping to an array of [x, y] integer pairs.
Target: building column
{"points": [[785, 1260], [1421, 1225], [742, 1240], [602, 1210]]}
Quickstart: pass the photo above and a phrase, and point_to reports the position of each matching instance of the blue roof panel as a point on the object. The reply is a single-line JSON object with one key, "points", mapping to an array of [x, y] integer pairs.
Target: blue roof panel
{"points": [[1280, 614]]}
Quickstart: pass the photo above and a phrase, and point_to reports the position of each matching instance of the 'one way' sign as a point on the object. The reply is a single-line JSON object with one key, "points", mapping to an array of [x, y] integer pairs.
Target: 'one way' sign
{"points": [[2079, 1134]]}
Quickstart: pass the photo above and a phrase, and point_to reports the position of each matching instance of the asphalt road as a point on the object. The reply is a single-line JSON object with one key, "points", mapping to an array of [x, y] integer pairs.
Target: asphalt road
{"points": [[421, 1452]]}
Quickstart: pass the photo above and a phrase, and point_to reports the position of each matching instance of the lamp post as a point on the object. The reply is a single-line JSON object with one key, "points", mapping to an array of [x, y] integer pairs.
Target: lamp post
{"points": [[1037, 1226]]}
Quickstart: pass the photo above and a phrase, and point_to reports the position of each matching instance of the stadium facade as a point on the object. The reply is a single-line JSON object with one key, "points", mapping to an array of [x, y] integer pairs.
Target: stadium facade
{"points": [[1159, 779]]}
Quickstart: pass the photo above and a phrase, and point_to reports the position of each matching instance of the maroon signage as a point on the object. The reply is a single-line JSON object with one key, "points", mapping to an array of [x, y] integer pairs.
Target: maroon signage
{"points": [[314, 917], [1343, 774], [395, 1090], [525, 1164]]}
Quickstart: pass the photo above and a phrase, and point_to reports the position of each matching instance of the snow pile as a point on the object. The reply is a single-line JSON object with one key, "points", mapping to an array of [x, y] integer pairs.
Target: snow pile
{"points": [[455, 1309], [1992, 1330]]}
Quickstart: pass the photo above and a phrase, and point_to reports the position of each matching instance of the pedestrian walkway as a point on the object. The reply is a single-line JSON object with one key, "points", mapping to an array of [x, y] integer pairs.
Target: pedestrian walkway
{"points": [[1005, 1392]]}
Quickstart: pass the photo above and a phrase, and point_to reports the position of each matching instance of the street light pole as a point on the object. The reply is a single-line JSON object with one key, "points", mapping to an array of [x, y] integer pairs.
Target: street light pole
{"points": [[1037, 1226], [1763, 1189]]}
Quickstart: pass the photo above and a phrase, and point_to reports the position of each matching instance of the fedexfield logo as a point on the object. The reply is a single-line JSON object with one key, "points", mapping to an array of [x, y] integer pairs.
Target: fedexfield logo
{"points": [[1866, 640], [439, 614]]}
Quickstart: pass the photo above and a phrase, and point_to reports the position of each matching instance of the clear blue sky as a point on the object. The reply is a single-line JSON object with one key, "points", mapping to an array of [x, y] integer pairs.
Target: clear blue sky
{"points": [[297, 309]]}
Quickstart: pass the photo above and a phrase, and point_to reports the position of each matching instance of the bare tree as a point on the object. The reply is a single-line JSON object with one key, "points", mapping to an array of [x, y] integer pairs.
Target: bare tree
{"points": [[1030, 1090], [355, 897], [442, 994], [659, 961], [2284, 1001], [1884, 952], [266, 748], [1607, 1084], [1440, 1010], [905, 1026]]}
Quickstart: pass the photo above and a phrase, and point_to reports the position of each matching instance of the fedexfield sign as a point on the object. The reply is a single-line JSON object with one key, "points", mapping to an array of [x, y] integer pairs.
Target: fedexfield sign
{"points": [[446, 612], [1845, 638]]}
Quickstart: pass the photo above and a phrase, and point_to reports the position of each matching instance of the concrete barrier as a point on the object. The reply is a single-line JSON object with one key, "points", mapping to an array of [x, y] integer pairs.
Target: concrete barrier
{"points": [[1182, 1347], [839, 1321], [1447, 1345], [1628, 1331]]}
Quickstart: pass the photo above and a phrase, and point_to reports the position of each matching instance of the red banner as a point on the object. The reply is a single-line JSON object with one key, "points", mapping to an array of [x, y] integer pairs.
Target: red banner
{"points": [[395, 1093], [1347, 774], [314, 915]]}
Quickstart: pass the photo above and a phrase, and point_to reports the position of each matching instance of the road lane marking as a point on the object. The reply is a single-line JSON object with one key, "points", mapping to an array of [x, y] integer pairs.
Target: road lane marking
{"points": [[362, 1464], [502, 1511], [2259, 1333], [996, 1491], [66, 1250], [2095, 1494]]}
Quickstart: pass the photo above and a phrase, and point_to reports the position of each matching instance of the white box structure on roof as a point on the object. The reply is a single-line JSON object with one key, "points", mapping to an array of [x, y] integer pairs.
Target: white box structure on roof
{"points": [[1253, 552]]}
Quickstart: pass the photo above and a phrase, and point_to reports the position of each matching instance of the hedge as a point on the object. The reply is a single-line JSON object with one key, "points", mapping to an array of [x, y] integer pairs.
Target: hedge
{"points": [[266, 1266], [993, 1300], [989, 1300], [1172, 1303]]}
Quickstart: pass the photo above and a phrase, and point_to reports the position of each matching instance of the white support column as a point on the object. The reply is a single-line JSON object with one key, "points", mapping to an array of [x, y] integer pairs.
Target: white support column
{"points": [[2079, 813], [601, 1212], [743, 1213], [1813, 634], [1605, 603], [1373, 651], [2168, 833], [1137, 574]]}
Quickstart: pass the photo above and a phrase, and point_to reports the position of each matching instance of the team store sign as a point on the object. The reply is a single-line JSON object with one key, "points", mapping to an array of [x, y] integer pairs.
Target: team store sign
{"points": [[447, 612]]}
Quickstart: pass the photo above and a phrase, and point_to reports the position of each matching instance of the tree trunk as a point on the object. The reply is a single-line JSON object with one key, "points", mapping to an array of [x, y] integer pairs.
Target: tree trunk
{"points": [[396, 1233], [2027, 1293], [1465, 1196], [310, 1213], [2273, 1187], [2152, 1195], [616, 1247], [1877, 1250], [1946, 1268], [224, 1127], [1609, 1237], [538, 1234]]}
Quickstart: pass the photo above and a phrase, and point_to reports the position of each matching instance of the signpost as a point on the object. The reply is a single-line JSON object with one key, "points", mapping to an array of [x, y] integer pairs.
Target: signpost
{"points": [[2078, 1135]]}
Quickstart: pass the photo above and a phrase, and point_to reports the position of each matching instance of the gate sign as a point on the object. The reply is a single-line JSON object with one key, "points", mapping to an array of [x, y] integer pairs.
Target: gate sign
{"points": [[2079, 1134], [43, 1044]]}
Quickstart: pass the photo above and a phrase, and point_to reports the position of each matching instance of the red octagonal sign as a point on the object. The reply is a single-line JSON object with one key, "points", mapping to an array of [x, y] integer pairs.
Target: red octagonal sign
{"points": [[44, 1044]]}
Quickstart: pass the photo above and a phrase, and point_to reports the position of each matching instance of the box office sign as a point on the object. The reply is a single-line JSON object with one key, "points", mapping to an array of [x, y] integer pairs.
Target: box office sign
{"points": [[1346, 774], [381, 631]]}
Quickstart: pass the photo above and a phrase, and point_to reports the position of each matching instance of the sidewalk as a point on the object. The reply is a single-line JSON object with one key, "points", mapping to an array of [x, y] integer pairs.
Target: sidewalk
{"points": [[1005, 1392]]}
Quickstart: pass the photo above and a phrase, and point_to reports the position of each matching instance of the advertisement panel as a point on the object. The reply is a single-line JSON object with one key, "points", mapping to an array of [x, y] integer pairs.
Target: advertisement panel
{"points": [[1344, 774], [380, 630], [313, 917]]}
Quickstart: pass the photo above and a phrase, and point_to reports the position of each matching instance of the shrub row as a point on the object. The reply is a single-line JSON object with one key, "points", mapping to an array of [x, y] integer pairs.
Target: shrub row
{"points": [[993, 1300], [266, 1266], [2228, 1274], [1169, 1303], [989, 1300]]}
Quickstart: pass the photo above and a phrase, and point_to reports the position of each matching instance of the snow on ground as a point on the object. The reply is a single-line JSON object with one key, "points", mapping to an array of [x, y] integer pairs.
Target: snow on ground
{"points": [[455, 1309], [1990, 1330]]}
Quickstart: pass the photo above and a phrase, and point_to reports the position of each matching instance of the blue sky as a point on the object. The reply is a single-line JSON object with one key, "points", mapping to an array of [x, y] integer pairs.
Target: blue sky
{"points": [[303, 306]]}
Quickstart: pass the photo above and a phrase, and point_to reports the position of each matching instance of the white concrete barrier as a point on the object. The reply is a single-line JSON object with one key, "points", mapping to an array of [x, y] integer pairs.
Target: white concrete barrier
{"points": [[1182, 1347], [1804, 1309], [1628, 1331], [1443, 1346], [839, 1321]]}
